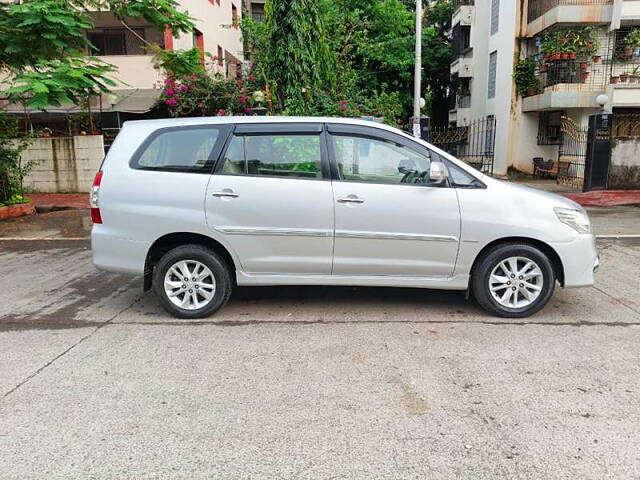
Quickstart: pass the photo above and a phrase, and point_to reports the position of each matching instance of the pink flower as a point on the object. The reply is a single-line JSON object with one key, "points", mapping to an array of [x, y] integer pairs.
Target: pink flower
{"points": [[251, 78], [171, 101], [169, 92], [247, 110], [221, 112], [239, 82], [184, 88], [242, 99]]}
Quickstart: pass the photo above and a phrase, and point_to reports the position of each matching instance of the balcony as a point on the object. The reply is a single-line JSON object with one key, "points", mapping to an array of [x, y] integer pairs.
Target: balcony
{"points": [[542, 14], [566, 83], [460, 114], [462, 66], [463, 13]]}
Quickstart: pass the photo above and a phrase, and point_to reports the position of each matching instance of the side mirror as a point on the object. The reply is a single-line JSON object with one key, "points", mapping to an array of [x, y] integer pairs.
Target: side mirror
{"points": [[437, 172]]}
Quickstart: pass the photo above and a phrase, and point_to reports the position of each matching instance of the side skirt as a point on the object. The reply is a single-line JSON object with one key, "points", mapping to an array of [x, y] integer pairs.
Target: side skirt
{"points": [[456, 282]]}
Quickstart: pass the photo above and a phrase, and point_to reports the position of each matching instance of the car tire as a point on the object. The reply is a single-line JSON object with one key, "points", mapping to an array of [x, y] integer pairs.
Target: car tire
{"points": [[513, 289], [192, 281]]}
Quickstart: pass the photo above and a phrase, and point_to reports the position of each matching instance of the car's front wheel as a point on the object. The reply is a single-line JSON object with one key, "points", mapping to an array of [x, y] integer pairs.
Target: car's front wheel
{"points": [[513, 280], [191, 281]]}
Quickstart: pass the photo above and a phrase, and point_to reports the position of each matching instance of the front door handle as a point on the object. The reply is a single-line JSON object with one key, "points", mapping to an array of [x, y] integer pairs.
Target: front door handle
{"points": [[226, 193], [350, 199]]}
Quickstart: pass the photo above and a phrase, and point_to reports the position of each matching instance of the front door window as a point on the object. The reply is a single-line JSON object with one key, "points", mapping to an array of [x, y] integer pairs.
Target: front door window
{"points": [[363, 159]]}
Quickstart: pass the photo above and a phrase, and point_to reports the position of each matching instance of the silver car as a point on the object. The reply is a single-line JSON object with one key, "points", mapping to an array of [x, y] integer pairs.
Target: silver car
{"points": [[199, 205]]}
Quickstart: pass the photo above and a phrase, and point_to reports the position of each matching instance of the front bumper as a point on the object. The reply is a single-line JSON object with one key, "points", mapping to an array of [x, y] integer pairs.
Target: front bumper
{"points": [[579, 259]]}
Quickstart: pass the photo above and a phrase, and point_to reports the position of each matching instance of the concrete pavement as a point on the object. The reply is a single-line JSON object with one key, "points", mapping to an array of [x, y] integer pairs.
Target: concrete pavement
{"points": [[98, 382]]}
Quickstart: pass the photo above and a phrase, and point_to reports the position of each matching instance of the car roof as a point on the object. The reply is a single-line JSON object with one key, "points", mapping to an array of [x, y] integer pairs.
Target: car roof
{"points": [[224, 120]]}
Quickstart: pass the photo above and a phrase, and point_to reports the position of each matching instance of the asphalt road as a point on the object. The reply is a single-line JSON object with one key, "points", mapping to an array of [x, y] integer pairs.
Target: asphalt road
{"points": [[96, 381]]}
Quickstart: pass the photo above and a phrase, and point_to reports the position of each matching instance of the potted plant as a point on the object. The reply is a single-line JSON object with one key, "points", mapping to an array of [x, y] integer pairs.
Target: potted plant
{"points": [[596, 58], [614, 79], [584, 65], [624, 77], [632, 43], [585, 75], [46, 132]]}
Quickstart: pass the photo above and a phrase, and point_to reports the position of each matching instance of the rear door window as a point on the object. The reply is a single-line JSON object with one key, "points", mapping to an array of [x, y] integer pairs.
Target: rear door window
{"points": [[186, 149], [274, 155]]}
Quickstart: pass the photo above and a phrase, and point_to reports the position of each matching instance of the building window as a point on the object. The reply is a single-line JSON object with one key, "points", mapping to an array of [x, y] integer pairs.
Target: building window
{"points": [[117, 41], [198, 42], [495, 15], [493, 64], [220, 56], [257, 12], [549, 132], [234, 16]]}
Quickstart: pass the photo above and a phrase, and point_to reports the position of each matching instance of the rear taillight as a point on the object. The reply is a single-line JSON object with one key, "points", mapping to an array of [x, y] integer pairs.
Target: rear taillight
{"points": [[93, 199]]}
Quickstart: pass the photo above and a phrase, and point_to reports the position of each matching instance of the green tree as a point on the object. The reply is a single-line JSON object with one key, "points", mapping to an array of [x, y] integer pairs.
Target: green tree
{"points": [[43, 46], [298, 60], [371, 44]]}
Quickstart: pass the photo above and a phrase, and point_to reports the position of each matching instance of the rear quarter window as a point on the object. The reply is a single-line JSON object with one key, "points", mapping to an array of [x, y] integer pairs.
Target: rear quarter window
{"points": [[183, 149]]}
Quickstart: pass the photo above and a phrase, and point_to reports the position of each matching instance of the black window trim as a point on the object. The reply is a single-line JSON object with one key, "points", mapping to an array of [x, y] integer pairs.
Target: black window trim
{"points": [[261, 129], [225, 130], [380, 135]]}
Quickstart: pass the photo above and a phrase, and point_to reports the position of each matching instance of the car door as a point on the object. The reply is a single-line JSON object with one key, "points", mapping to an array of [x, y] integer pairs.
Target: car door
{"points": [[389, 220], [270, 198]]}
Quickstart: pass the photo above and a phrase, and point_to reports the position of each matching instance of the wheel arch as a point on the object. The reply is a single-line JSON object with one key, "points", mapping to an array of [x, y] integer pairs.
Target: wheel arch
{"points": [[172, 240], [547, 249]]}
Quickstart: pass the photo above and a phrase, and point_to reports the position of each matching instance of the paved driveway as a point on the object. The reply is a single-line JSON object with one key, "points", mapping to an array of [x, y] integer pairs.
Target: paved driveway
{"points": [[97, 382]]}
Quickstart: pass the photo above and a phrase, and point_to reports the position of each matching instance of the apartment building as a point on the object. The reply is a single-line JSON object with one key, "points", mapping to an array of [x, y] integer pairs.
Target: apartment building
{"points": [[125, 49], [577, 49]]}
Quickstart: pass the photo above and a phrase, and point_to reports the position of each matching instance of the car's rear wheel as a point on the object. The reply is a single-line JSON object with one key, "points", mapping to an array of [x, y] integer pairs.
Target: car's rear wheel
{"points": [[191, 281], [513, 280]]}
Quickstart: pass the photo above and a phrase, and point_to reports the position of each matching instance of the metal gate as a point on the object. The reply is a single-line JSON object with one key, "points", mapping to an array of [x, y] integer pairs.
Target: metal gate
{"points": [[572, 153], [473, 144]]}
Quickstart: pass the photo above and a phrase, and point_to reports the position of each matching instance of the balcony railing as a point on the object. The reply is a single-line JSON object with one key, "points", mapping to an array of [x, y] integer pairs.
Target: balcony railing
{"points": [[570, 75], [462, 3], [537, 8], [625, 67], [464, 100]]}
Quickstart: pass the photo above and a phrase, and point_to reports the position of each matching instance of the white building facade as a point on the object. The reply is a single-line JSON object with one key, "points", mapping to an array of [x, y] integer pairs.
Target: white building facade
{"points": [[491, 36], [216, 32]]}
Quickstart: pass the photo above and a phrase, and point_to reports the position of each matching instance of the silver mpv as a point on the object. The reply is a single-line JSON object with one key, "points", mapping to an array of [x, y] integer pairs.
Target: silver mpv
{"points": [[199, 205]]}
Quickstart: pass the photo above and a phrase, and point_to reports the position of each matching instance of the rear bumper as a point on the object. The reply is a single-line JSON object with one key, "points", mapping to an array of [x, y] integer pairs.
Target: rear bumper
{"points": [[117, 254], [579, 260]]}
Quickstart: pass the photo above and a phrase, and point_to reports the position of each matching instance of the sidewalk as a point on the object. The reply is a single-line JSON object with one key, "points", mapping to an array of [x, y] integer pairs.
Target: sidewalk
{"points": [[599, 198], [605, 198]]}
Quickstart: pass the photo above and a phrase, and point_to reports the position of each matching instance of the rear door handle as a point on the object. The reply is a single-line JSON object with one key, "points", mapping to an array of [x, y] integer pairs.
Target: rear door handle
{"points": [[350, 199], [225, 193]]}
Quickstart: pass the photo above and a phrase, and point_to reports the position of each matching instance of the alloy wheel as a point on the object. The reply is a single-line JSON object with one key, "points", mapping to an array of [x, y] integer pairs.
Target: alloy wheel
{"points": [[516, 282], [189, 284]]}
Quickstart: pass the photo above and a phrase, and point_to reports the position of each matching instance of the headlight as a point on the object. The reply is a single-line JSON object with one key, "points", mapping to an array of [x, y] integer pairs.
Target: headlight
{"points": [[576, 219]]}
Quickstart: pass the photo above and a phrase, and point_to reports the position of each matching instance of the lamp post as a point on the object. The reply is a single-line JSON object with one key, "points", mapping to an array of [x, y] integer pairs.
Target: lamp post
{"points": [[417, 78]]}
